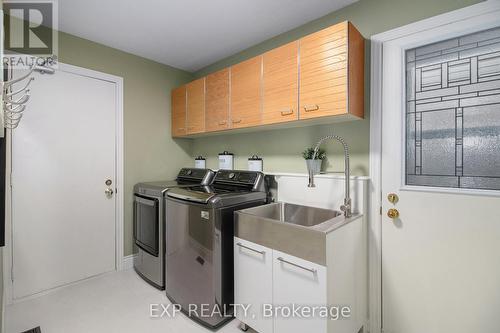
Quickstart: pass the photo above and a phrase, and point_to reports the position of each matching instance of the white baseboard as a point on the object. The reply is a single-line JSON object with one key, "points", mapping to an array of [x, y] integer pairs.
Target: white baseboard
{"points": [[55, 289], [128, 262]]}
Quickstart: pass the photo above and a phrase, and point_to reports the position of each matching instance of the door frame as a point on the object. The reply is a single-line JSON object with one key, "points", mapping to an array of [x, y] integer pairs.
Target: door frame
{"points": [[119, 185], [475, 17]]}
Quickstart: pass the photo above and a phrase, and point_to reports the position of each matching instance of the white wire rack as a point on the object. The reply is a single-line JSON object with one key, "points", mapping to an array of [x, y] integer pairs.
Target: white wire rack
{"points": [[15, 98]]}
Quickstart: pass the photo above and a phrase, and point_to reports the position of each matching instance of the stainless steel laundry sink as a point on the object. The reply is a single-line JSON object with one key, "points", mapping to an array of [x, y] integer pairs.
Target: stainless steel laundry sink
{"points": [[296, 214], [294, 229]]}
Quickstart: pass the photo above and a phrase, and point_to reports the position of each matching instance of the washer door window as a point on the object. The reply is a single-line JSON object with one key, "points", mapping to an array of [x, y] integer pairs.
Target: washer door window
{"points": [[146, 224]]}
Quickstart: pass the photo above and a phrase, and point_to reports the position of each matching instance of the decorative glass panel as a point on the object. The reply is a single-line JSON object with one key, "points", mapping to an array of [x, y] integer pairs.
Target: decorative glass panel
{"points": [[453, 113]]}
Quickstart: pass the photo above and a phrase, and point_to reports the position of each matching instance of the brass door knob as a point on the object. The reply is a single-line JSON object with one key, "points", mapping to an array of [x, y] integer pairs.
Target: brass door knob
{"points": [[393, 213]]}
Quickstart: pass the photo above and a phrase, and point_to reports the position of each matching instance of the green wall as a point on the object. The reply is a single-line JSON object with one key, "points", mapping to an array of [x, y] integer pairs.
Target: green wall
{"points": [[281, 148], [150, 153]]}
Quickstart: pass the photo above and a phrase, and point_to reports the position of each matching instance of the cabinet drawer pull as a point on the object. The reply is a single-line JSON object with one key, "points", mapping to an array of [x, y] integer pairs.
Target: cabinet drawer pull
{"points": [[309, 108], [181, 129], [222, 122], [312, 270], [237, 121], [287, 112], [249, 248]]}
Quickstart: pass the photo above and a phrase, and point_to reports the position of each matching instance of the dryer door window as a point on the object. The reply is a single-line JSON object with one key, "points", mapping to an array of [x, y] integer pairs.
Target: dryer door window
{"points": [[147, 224]]}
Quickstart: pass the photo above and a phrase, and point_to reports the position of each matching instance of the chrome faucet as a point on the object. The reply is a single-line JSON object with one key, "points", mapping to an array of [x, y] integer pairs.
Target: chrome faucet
{"points": [[346, 207]]}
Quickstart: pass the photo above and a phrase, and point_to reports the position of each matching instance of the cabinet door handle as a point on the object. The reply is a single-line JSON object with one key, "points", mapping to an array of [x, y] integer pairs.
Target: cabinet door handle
{"points": [[309, 108], [312, 270], [237, 121], [249, 248], [222, 122], [287, 112]]}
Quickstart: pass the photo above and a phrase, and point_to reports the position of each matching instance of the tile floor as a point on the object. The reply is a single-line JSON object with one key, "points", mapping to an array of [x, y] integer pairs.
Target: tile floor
{"points": [[113, 303]]}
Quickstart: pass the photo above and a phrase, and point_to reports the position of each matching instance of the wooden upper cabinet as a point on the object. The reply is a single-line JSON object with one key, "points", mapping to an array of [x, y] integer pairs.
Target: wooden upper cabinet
{"points": [[280, 84], [195, 106], [217, 101], [179, 111], [331, 72], [246, 80], [320, 75], [356, 72]]}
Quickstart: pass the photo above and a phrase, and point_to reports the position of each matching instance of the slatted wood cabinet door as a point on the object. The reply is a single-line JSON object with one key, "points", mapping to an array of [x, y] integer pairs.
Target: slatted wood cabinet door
{"points": [[331, 71], [196, 106], [179, 111], [280, 84], [246, 81], [217, 101]]}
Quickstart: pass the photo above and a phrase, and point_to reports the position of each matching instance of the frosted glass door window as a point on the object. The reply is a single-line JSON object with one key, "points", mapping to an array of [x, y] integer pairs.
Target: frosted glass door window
{"points": [[453, 113]]}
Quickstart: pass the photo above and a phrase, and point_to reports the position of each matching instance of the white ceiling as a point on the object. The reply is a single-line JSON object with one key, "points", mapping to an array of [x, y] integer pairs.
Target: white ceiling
{"points": [[187, 34]]}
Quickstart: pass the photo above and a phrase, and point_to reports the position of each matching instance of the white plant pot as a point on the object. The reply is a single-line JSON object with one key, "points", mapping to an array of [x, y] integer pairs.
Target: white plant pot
{"points": [[314, 166]]}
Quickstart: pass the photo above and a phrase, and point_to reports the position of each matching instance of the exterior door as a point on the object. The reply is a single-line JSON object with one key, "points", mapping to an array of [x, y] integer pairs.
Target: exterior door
{"points": [[441, 158], [63, 152]]}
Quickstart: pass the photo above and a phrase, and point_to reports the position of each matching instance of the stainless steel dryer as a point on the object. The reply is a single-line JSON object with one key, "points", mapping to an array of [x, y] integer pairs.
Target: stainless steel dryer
{"points": [[149, 222], [200, 229]]}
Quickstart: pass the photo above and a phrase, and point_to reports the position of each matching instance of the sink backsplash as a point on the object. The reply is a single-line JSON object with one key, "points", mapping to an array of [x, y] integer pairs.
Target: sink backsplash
{"points": [[328, 193]]}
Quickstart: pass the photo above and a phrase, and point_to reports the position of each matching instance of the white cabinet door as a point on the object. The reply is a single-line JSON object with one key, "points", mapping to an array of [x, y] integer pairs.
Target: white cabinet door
{"points": [[253, 277], [301, 283]]}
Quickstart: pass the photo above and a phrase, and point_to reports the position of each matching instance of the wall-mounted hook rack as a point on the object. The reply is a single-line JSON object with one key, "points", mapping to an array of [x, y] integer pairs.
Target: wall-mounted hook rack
{"points": [[13, 107]]}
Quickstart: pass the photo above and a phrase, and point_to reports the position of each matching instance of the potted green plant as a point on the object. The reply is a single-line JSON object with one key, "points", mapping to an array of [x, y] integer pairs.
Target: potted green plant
{"points": [[314, 165]]}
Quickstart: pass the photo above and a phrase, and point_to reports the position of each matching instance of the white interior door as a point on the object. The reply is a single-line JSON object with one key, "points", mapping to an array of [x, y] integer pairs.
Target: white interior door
{"points": [[441, 257], [63, 151]]}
